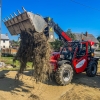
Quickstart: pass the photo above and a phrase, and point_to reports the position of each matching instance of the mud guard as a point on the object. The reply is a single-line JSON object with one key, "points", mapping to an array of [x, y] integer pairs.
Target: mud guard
{"points": [[95, 59], [63, 62]]}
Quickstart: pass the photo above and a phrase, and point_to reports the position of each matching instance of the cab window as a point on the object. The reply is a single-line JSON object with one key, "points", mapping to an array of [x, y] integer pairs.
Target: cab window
{"points": [[89, 48], [82, 52]]}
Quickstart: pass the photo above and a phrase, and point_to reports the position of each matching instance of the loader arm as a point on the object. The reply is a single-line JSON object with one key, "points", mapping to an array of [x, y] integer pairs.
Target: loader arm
{"points": [[52, 25], [30, 22]]}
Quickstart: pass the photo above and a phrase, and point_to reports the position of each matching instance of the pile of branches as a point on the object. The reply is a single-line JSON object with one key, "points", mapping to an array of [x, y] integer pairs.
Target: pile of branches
{"points": [[34, 46]]}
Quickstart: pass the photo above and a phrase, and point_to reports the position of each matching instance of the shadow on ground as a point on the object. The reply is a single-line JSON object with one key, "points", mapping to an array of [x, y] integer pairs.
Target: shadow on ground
{"points": [[51, 80], [10, 84], [15, 87], [83, 79], [78, 79]]}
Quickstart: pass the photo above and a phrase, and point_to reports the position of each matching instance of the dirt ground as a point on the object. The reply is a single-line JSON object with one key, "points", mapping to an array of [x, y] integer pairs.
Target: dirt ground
{"points": [[81, 88]]}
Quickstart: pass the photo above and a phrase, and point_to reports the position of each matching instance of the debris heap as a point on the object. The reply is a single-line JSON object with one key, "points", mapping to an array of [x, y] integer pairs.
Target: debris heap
{"points": [[35, 47]]}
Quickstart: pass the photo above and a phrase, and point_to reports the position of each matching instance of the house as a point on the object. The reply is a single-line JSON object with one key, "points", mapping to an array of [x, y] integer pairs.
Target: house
{"points": [[4, 41], [87, 37], [7, 47]]}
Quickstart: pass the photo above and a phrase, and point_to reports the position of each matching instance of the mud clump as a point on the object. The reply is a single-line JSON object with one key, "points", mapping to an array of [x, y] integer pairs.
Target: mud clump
{"points": [[34, 47], [34, 97]]}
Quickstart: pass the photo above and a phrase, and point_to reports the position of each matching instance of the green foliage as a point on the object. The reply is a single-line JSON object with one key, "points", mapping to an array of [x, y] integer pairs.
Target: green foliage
{"points": [[56, 45], [7, 55], [15, 42], [99, 45], [98, 38], [9, 60], [70, 34]]}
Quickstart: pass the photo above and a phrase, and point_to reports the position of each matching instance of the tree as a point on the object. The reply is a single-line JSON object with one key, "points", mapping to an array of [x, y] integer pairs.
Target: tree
{"points": [[13, 42], [56, 44], [98, 38], [71, 35]]}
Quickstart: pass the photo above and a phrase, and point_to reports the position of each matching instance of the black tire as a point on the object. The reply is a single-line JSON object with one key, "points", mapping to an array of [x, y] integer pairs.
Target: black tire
{"points": [[91, 69], [64, 74]]}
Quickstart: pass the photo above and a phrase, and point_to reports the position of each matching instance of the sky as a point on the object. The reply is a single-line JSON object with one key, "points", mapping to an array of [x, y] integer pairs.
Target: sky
{"points": [[77, 15]]}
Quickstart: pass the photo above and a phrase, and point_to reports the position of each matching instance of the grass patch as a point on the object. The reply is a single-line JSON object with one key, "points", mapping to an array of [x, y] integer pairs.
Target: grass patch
{"points": [[9, 61]]}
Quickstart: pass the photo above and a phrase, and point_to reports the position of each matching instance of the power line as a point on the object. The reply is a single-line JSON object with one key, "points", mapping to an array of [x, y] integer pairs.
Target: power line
{"points": [[85, 5]]}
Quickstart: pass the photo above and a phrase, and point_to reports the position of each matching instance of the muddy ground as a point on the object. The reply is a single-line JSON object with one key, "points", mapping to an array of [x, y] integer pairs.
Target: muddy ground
{"points": [[81, 88]]}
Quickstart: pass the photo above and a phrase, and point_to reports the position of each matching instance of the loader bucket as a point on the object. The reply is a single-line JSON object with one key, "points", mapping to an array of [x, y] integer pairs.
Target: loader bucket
{"points": [[26, 22]]}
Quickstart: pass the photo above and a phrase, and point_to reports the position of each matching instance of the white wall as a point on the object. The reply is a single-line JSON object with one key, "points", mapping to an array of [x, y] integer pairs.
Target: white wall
{"points": [[6, 44]]}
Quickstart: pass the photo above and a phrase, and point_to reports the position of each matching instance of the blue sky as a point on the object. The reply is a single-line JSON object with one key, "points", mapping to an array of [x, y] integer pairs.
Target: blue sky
{"points": [[66, 13]]}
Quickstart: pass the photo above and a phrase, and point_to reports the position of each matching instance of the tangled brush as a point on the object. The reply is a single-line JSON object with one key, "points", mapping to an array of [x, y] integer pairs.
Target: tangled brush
{"points": [[34, 46]]}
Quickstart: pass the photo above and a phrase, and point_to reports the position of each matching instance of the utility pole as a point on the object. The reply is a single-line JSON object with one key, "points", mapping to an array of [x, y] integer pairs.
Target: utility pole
{"points": [[0, 26]]}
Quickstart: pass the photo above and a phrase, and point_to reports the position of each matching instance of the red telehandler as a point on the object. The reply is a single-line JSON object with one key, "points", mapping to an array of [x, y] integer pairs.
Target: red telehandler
{"points": [[75, 56]]}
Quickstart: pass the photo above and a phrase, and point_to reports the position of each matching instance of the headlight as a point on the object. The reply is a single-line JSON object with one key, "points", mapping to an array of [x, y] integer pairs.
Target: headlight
{"points": [[92, 54]]}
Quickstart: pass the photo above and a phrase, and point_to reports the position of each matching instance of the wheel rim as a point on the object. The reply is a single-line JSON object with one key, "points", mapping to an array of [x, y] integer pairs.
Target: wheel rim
{"points": [[93, 69], [66, 75]]}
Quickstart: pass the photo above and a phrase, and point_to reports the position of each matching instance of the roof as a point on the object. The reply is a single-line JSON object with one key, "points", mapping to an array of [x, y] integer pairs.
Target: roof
{"points": [[89, 37], [4, 36]]}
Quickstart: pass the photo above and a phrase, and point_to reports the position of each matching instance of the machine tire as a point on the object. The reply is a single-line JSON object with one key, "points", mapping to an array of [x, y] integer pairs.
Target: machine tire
{"points": [[64, 69], [91, 69]]}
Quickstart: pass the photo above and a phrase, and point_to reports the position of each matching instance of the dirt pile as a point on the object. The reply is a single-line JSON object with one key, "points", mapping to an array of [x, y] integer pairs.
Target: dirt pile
{"points": [[27, 89], [81, 93], [36, 48]]}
